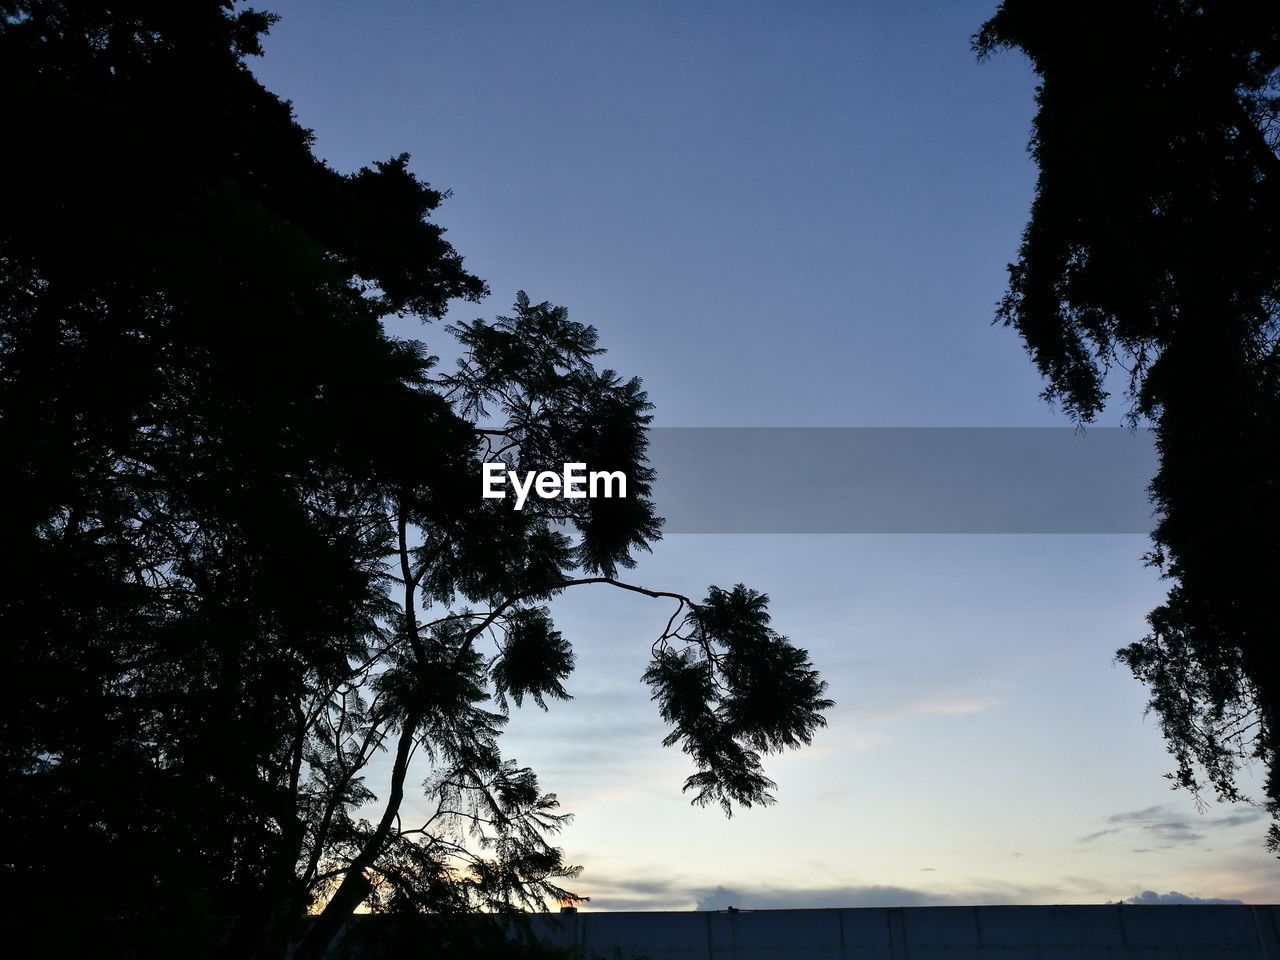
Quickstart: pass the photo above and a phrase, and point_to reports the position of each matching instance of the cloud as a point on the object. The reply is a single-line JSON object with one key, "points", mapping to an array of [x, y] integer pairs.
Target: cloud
{"points": [[607, 894], [1171, 827], [1166, 824], [1139, 815], [1148, 897], [1240, 817], [683, 893], [939, 703], [611, 894], [648, 895], [868, 895]]}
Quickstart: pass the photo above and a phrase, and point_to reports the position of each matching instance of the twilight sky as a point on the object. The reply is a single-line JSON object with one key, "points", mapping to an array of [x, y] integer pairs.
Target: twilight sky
{"points": [[793, 214]]}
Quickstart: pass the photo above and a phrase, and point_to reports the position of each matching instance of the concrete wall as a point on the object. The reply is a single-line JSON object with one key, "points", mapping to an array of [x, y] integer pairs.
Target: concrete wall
{"points": [[1199, 932]]}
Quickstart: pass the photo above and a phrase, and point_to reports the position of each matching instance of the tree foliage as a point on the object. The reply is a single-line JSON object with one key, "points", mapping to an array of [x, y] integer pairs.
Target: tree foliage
{"points": [[244, 548], [1153, 249]]}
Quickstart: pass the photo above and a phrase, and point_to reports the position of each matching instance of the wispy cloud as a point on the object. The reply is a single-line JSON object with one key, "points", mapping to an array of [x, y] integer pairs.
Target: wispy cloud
{"points": [[953, 707], [608, 894], [940, 703], [1240, 817], [1169, 827]]}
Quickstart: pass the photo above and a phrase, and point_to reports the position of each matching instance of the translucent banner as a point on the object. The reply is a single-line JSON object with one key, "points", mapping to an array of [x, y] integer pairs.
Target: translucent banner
{"points": [[903, 480]]}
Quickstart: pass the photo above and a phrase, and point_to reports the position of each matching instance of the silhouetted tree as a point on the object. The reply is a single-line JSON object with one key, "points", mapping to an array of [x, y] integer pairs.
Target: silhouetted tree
{"points": [[1154, 248], [244, 548], [730, 687]]}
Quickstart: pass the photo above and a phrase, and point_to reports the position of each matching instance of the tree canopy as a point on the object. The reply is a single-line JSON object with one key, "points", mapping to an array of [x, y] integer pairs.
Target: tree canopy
{"points": [[1153, 253], [245, 549]]}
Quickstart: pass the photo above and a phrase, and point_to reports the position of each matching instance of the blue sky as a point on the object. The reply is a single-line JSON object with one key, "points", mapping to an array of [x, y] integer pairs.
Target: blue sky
{"points": [[793, 214]]}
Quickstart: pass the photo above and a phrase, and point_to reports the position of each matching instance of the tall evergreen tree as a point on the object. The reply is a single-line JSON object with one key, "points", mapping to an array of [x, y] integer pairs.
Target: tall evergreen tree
{"points": [[1154, 248]]}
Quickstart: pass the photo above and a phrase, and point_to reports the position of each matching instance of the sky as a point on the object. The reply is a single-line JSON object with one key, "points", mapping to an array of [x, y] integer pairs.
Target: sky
{"points": [[793, 215]]}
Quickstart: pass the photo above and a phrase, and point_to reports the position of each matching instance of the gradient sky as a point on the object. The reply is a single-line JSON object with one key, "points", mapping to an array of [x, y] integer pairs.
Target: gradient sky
{"points": [[793, 214]]}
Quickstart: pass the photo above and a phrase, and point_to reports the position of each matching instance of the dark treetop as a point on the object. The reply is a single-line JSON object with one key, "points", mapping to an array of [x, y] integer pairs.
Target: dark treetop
{"points": [[244, 548], [1154, 249]]}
